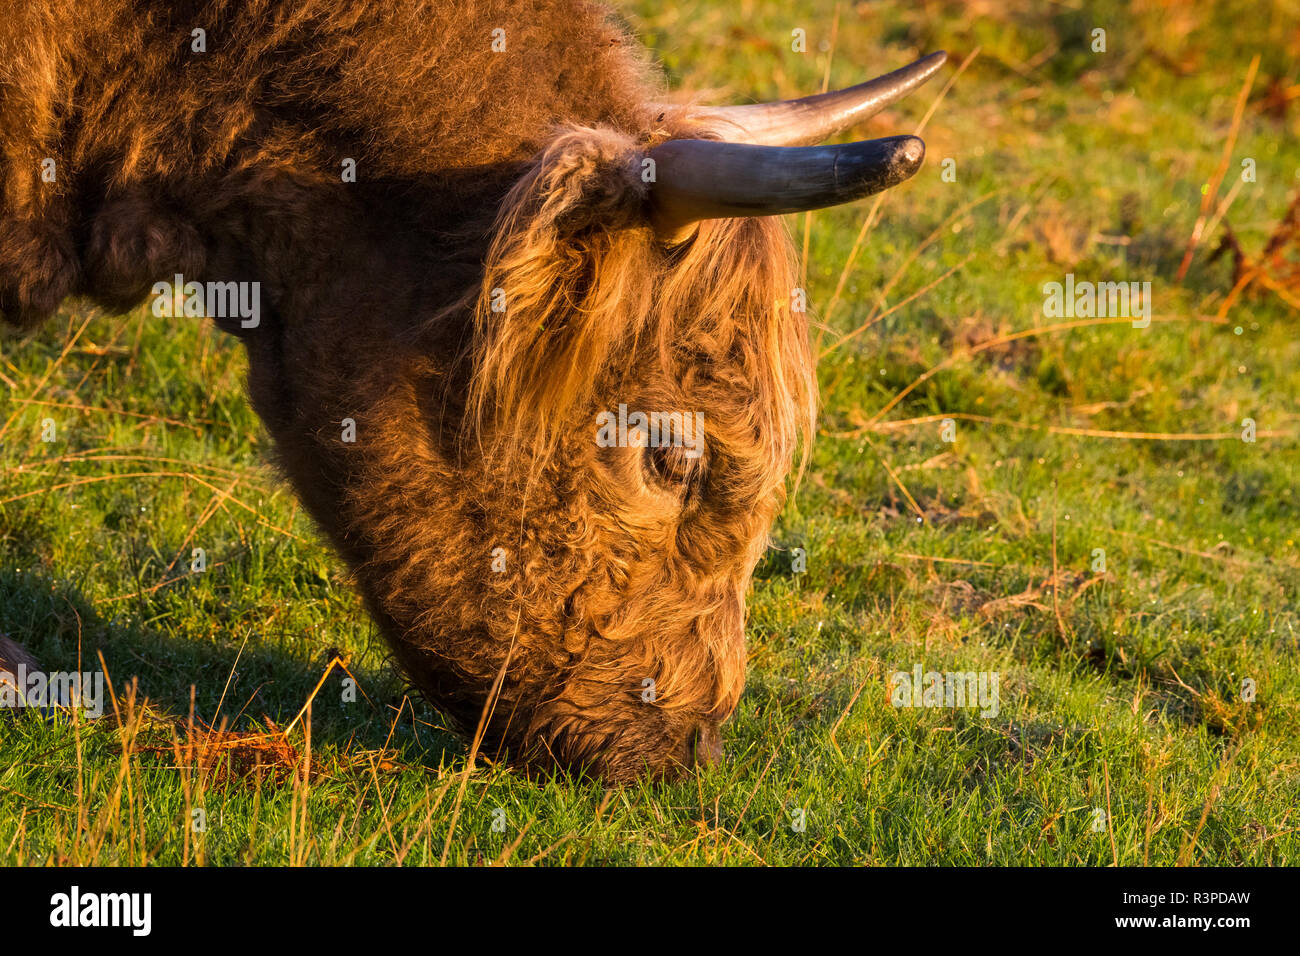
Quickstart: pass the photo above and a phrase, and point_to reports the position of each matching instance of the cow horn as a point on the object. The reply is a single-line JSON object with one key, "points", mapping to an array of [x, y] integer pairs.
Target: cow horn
{"points": [[812, 119], [699, 179]]}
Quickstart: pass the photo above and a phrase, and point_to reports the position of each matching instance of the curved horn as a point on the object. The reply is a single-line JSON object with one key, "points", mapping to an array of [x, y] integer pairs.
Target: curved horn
{"points": [[705, 179], [812, 119]]}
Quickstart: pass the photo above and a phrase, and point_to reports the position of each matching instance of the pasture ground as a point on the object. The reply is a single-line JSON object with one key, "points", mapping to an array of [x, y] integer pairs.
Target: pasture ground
{"points": [[1123, 733]]}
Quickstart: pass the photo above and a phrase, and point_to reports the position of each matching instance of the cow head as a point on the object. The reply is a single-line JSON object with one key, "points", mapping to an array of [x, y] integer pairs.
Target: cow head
{"points": [[638, 383]]}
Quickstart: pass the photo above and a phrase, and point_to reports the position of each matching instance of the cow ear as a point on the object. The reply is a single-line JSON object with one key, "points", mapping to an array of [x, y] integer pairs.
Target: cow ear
{"points": [[568, 276]]}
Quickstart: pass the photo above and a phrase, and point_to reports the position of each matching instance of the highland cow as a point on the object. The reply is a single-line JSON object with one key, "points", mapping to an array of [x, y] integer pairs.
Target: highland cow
{"points": [[474, 228]]}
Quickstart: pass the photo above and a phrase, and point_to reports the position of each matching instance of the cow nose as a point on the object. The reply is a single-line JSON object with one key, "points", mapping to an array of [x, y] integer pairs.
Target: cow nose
{"points": [[706, 745]]}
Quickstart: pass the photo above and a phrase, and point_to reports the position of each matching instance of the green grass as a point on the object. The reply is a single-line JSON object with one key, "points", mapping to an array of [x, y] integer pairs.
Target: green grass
{"points": [[1119, 691]]}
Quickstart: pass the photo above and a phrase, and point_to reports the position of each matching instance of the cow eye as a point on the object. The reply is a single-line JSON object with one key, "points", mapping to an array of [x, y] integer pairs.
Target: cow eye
{"points": [[672, 464]]}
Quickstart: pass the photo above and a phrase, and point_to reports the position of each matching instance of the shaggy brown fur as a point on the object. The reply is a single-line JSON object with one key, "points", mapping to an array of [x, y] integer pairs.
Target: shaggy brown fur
{"points": [[475, 429]]}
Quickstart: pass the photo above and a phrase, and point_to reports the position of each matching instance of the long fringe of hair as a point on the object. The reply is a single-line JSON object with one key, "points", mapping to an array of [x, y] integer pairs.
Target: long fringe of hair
{"points": [[575, 276]]}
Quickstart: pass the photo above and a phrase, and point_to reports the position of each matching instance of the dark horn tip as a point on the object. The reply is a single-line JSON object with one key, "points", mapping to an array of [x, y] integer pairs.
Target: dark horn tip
{"points": [[909, 153]]}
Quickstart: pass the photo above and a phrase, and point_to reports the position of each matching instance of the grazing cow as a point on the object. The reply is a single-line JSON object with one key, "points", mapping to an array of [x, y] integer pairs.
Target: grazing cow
{"points": [[480, 272]]}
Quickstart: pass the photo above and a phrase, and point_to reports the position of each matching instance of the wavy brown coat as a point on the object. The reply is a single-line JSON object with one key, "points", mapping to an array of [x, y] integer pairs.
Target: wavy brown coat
{"points": [[581, 605]]}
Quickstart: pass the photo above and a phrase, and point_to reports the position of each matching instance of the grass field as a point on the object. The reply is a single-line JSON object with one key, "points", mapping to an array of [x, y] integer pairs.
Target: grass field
{"points": [[1123, 734]]}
